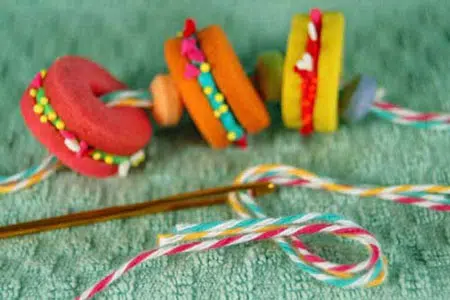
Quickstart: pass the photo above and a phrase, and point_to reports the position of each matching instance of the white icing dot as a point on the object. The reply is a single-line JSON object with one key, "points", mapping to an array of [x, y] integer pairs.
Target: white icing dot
{"points": [[124, 168], [312, 31], [72, 144], [306, 63]]}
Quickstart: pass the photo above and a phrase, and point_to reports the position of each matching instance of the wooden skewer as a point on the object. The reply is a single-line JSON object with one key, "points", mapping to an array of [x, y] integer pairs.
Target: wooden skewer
{"points": [[212, 196]]}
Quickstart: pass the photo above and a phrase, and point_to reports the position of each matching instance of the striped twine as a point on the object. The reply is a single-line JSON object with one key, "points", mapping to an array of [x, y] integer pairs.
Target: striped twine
{"points": [[429, 196], [256, 226], [36, 174], [403, 116]]}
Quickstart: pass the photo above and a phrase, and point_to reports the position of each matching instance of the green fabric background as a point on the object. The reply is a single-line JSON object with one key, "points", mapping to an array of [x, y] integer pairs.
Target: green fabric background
{"points": [[405, 44]]}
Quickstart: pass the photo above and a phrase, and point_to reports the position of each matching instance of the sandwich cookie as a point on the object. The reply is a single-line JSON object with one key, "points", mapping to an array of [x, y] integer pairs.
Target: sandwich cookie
{"points": [[64, 110], [214, 87], [312, 72]]}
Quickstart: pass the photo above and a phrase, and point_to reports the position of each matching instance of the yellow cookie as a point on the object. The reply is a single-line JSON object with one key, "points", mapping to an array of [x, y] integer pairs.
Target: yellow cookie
{"points": [[329, 70]]}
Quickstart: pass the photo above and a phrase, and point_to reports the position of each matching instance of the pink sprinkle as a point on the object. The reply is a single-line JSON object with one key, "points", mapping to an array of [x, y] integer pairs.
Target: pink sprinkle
{"points": [[316, 15], [37, 81], [188, 45], [67, 134], [191, 71], [83, 149], [196, 55]]}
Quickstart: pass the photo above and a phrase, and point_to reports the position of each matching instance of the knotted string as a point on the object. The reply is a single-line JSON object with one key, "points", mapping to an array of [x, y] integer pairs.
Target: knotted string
{"points": [[285, 231]]}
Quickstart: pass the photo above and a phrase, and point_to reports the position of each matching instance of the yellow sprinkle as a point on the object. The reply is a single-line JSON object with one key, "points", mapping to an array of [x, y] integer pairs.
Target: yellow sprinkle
{"points": [[38, 109], [138, 162], [217, 113], [223, 108], [96, 156], [52, 116], [208, 90], [60, 125], [205, 67], [43, 100], [109, 159], [33, 93], [219, 97], [43, 73], [231, 136], [43, 119]]}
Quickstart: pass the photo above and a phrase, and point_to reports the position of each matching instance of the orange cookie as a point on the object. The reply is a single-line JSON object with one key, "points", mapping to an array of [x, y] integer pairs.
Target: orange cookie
{"points": [[215, 89]]}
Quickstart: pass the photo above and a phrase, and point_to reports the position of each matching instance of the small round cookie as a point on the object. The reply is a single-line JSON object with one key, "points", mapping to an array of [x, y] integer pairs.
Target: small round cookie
{"points": [[357, 98], [63, 111], [167, 107], [269, 74]]}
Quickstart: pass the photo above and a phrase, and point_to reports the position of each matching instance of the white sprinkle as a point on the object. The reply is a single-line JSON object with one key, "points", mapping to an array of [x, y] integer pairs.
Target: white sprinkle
{"points": [[312, 31], [72, 145], [137, 157], [306, 63], [124, 168]]}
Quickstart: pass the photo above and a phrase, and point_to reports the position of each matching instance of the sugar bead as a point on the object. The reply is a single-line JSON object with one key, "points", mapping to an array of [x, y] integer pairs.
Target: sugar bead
{"points": [[43, 119], [52, 116], [60, 125], [38, 109], [109, 159], [43, 101], [208, 90], [219, 97], [97, 156], [205, 67], [223, 108], [231, 136], [33, 93]]}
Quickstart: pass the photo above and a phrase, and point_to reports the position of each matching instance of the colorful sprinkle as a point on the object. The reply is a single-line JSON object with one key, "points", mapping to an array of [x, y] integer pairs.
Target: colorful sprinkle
{"points": [[60, 125], [208, 90], [38, 109], [33, 93], [52, 116], [109, 159], [205, 67], [97, 156], [219, 97]]}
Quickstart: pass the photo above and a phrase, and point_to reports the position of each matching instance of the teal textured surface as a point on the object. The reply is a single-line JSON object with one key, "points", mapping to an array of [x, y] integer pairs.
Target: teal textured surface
{"points": [[403, 44]]}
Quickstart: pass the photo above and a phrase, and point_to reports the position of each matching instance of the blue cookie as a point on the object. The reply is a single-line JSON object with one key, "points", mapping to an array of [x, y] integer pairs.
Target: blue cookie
{"points": [[356, 98]]}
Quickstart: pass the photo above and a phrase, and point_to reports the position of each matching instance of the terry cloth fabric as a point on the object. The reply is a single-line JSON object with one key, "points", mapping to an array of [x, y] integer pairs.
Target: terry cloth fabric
{"points": [[407, 55]]}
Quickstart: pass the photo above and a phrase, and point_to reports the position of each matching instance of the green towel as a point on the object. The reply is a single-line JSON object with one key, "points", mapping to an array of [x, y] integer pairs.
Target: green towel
{"points": [[404, 44]]}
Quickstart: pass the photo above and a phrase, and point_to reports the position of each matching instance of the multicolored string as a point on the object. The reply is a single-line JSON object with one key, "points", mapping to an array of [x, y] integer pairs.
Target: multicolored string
{"points": [[429, 196], [403, 116], [285, 231], [35, 174]]}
